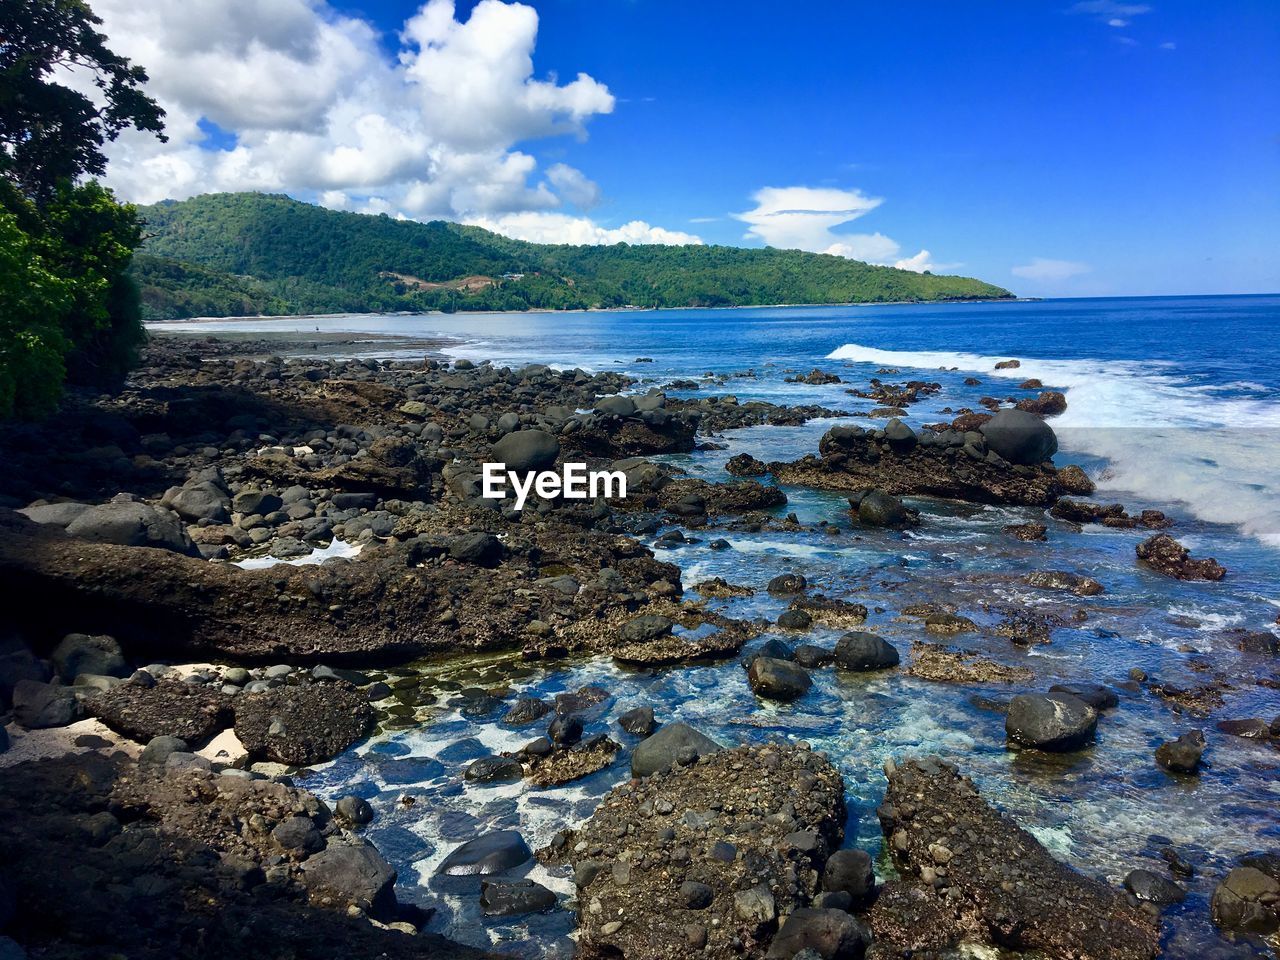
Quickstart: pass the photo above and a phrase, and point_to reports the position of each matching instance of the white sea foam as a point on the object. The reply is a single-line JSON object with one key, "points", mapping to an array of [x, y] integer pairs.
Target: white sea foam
{"points": [[1165, 438], [337, 548]]}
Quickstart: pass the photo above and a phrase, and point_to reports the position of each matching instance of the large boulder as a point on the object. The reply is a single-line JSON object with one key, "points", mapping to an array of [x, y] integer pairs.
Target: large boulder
{"points": [[345, 874], [1020, 437], [828, 934], [1183, 754], [875, 508], [38, 706], [1248, 900], [204, 500], [1168, 556], [676, 744], [303, 724], [509, 898], [133, 524], [850, 872], [487, 854], [171, 708], [705, 861], [862, 651], [524, 450], [777, 679], [969, 873], [80, 653], [1054, 722]]}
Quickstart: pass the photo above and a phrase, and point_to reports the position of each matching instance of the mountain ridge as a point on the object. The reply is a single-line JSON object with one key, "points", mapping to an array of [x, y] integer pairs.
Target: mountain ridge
{"points": [[240, 254]]}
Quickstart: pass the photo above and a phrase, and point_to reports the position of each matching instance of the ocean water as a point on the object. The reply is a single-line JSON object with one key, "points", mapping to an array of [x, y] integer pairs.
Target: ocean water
{"points": [[1173, 404]]}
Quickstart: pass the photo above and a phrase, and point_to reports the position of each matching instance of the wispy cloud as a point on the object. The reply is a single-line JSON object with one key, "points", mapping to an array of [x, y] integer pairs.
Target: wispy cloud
{"points": [[1044, 269], [1111, 12]]}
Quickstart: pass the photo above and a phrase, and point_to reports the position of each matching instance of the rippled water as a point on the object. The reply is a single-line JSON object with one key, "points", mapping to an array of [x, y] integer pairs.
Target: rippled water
{"points": [[1172, 405]]}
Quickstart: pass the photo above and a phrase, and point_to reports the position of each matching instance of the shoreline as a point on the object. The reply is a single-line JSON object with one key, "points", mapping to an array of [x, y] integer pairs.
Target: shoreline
{"points": [[590, 310], [588, 614]]}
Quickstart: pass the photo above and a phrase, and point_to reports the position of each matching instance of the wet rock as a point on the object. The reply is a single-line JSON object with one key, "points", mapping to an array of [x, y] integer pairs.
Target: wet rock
{"points": [[302, 724], [863, 651], [355, 810], [1166, 555], [931, 661], [1150, 887], [1248, 901], [674, 872], [973, 874], [948, 623], [1251, 729], [1183, 754], [565, 730], [850, 872], [638, 722], [1027, 532], [1050, 403], [785, 584], [745, 465], [525, 711], [80, 653], [828, 934], [1096, 695], [352, 874], [778, 679], [646, 627], [831, 611], [794, 620], [1074, 480], [171, 708], [1020, 437], [675, 745], [487, 854], [876, 508], [558, 766], [509, 898], [1054, 722], [811, 656], [494, 770], [855, 458], [1081, 586]]}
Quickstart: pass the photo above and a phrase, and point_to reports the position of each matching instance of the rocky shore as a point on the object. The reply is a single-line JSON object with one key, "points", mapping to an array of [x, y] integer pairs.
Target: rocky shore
{"points": [[167, 679]]}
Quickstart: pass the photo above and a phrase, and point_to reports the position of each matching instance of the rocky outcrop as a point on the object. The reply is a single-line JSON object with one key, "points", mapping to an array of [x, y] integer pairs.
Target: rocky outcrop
{"points": [[969, 873], [107, 858], [1168, 556], [302, 724], [949, 464], [709, 859]]}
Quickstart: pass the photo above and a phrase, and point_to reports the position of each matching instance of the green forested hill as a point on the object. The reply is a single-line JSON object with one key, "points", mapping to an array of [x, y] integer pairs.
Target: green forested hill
{"points": [[246, 253]]}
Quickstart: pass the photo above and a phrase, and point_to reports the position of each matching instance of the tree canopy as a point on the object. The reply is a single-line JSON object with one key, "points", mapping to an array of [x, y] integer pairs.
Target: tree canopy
{"points": [[68, 307], [245, 253]]}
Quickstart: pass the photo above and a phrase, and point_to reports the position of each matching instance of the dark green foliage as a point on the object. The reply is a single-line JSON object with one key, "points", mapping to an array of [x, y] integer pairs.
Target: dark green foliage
{"points": [[68, 308], [260, 249]]}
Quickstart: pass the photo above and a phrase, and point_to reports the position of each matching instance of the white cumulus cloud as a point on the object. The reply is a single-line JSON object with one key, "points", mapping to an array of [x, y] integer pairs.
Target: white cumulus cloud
{"points": [[293, 96], [1044, 269], [563, 228], [923, 261], [806, 218]]}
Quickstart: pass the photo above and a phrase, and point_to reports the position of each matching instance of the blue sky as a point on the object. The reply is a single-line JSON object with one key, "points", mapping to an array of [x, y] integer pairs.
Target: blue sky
{"points": [[1101, 148]]}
